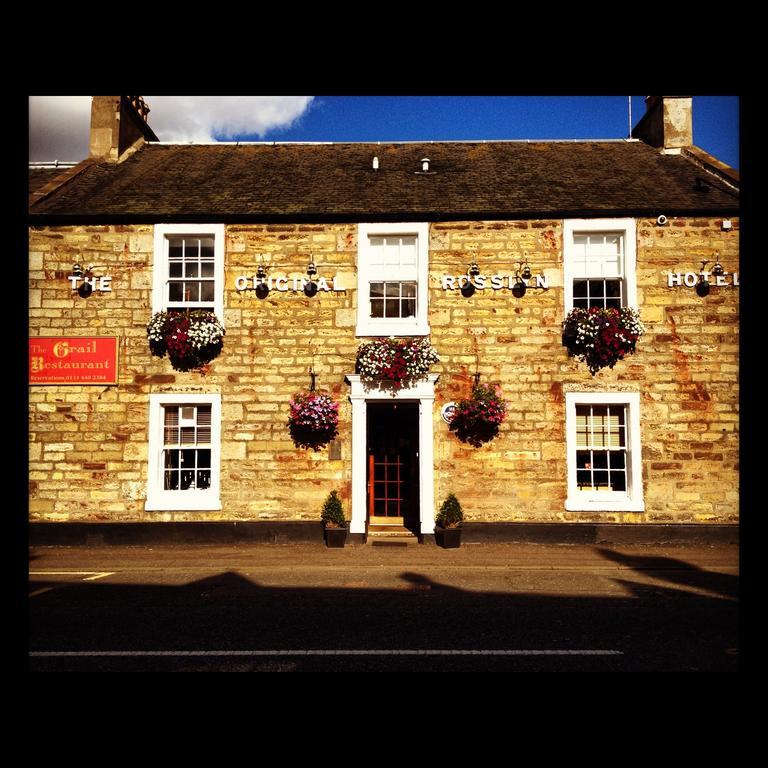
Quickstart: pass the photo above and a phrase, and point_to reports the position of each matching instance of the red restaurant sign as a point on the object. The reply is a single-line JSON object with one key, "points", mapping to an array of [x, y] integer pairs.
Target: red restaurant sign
{"points": [[73, 360]]}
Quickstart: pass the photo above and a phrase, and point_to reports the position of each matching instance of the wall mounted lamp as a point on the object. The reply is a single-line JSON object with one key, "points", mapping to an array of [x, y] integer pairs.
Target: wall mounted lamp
{"points": [[310, 289], [468, 289], [702, 286], [262, 287]]}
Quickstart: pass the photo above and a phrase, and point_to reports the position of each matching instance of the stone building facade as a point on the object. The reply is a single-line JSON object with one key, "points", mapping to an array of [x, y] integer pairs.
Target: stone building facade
{"points": [[96, 450]]}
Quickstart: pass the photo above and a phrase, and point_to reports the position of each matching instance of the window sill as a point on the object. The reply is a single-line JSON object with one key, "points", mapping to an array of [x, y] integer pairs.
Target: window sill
{"points": [[182, 502], [611, 503], [387, 329]]}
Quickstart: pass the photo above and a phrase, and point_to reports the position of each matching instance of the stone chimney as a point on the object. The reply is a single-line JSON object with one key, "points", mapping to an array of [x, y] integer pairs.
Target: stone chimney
{"points": [[118, 123], [667, 123]]}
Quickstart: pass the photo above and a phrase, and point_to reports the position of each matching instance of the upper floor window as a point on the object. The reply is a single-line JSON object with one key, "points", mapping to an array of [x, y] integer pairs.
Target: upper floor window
{"points": [[189, 267], [599, 263], [393, 263]]}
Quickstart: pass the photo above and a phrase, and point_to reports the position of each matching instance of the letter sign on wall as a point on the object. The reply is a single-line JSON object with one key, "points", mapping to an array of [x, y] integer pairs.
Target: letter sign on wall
{"points": [[73, 359]]}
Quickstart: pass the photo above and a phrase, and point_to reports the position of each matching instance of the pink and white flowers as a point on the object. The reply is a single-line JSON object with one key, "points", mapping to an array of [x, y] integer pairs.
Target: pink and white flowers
{"points": [[602, 337], [190, 339], [314, 419], [395, 361], [476, 420]]}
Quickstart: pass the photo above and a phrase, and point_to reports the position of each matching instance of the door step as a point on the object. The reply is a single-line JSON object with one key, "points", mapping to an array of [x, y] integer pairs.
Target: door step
{"points": [[390, 535]]}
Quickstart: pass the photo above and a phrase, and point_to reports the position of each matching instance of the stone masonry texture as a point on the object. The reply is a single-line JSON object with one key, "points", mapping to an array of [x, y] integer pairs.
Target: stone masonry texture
{"points": [[88, 444]]}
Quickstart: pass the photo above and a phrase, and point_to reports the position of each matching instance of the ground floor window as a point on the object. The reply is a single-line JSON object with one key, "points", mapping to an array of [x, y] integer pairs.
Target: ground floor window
{"points": [[603, 451], [184, 449]]}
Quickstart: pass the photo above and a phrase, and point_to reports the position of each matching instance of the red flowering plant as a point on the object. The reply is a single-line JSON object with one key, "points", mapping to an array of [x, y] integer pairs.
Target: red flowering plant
{"points": [[191, 339], [314, 420], [601, 337], [476, 420], [390, 360]]}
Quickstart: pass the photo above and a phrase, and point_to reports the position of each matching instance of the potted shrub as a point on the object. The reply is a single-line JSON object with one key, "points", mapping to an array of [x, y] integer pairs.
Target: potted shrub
{"points": [[476, 420], [601, 337], [191, 339], [314, 420], [448, 523], [334, 521], [396, 362]]}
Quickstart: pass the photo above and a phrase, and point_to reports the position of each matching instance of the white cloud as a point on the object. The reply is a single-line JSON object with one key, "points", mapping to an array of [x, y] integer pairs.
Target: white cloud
{"points": [[208, 118], [59, 125]]}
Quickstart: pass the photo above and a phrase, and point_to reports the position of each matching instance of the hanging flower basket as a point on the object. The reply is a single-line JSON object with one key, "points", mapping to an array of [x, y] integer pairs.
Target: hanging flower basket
{"points": [[190, 339], [399, 362], [314, 420], [476, 420], [602, 337]]}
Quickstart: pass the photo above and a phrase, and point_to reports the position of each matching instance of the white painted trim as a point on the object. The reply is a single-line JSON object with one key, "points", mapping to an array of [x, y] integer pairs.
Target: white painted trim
{"points": [[368, 326], [160, 262], [628, 226], [632, 500], [423, 392], [159, 499]]}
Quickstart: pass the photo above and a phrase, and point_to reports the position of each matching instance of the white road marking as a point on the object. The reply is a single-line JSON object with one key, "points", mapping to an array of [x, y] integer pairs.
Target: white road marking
{"points": [[92, 575], [342, 652]]}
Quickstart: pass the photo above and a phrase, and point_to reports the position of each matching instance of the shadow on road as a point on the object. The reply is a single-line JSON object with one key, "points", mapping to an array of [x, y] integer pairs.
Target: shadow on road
{"points": [[653, 628], [676, 571]]}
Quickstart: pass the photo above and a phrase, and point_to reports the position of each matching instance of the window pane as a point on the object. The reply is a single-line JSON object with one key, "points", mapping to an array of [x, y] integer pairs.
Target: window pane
{"points": [[392, 308], [190, 269], [204, 458], [191, 291], [408, 290], [175, 268], [188, 458], [175, 292], [175, 250], [618, 481], [409, 308], [377, 307], [171, 459], [206, 291], [206, 248], [377, 290], [580, 289], [204, 479], [171, 481], [187, 479], [206, 269]]}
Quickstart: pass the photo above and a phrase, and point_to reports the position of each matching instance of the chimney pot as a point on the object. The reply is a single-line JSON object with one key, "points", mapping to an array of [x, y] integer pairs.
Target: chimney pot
{"points": [[117, 124], [667, 123]]}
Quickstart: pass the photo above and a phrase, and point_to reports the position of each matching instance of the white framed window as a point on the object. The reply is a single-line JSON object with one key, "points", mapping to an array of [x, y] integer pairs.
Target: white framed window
{"points": [[189, 267], [599, 262], [392, 279], [184, 452], [603, 451]]}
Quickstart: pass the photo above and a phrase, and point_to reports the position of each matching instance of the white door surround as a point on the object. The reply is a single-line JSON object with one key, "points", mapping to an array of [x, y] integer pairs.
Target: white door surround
{"points": [[423, 392]]}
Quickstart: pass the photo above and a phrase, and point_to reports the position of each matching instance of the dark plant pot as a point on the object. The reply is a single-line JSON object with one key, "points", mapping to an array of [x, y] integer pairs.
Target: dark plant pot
{"points": [[448, 538], [335, 537]]}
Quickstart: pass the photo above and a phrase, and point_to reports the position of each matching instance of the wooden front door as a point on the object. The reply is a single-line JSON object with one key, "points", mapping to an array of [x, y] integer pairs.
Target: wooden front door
{"points": [[393, 464]]}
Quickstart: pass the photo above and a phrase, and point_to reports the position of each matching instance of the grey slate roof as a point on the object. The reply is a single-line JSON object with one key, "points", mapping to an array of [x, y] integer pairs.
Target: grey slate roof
{"points": [[228, 182]]}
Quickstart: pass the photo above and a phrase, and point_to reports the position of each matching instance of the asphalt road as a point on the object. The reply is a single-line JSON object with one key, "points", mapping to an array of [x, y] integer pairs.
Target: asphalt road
{"points": [[306, 608]]}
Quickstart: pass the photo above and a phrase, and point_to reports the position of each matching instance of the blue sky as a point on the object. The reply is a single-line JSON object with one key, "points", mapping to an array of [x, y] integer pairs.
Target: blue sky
{"points": [[59, 124], [412, 118]]}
